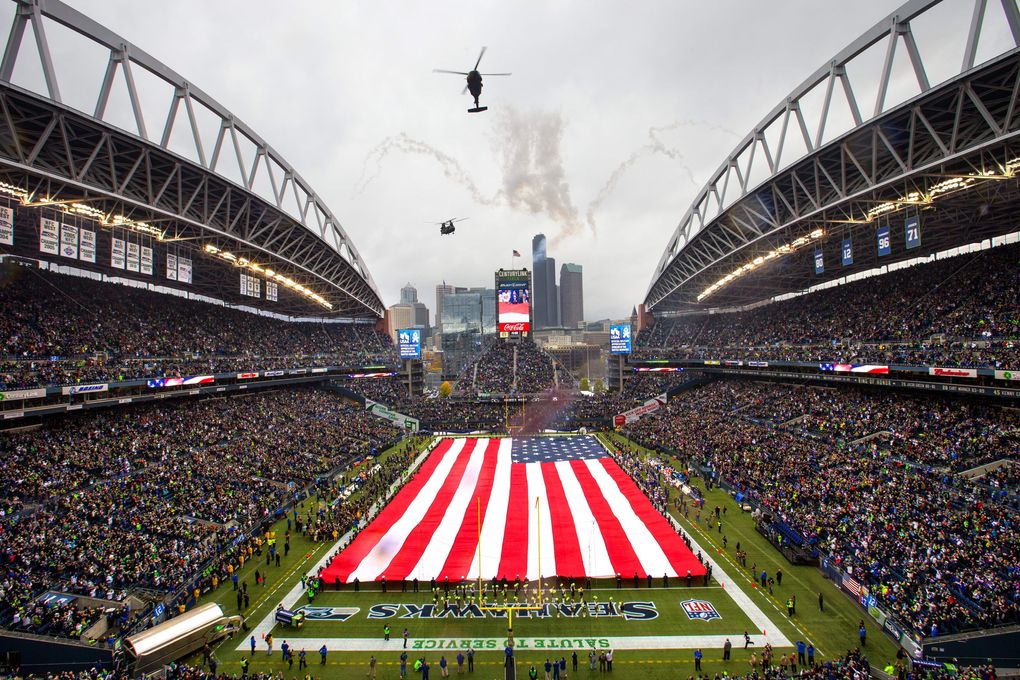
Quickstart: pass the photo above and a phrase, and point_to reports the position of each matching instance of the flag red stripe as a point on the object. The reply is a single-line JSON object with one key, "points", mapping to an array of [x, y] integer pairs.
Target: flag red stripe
{"points": [[465, 544], [514, 560], [348, 560], [625, 561], [565, 546], [414, 547], [672, 545]]}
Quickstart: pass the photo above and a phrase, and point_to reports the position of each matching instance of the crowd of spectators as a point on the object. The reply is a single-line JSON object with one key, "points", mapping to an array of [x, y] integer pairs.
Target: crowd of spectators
{"points": [[87, 499], [60, 329], [959, 311], [519, 368], [932, 547]]}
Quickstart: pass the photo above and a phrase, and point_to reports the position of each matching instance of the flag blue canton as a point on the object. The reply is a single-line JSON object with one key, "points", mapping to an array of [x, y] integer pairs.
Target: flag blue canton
{"points": [[555, 449]]}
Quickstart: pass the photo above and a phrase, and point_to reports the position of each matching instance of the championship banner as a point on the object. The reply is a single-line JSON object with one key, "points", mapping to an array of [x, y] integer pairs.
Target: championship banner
{"points": [[69, 241], [133, 255], [386, 413], [171, 267], [84, 389], [49, 236], [952, 372], [146, 261], [6, 226], [117, 258], [87, 252], [14, 395], [184, 269], [635, 414]]}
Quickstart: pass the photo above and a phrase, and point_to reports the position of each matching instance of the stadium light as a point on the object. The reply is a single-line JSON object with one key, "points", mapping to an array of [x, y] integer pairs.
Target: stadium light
{"points": [[269, 274], [779, 251]]}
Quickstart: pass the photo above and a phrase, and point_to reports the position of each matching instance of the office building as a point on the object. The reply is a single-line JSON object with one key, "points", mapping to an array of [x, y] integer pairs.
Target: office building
{"points": [[571, 296]]}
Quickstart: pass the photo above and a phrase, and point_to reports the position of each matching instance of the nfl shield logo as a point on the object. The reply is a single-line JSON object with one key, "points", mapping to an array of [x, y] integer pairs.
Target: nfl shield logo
{"points": [[700, 609]]}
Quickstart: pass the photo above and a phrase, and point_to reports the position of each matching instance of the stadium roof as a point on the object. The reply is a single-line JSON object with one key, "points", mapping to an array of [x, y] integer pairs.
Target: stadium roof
{"points": [[820, 169], [232, 198]]}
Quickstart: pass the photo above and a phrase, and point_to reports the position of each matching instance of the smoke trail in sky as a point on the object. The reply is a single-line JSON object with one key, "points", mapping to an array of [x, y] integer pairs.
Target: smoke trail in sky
{"points": [[528, 145], [534, 178], [402, 143], [655, 145]]}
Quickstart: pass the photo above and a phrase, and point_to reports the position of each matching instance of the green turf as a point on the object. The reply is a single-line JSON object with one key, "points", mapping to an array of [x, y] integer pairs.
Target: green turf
{"points": [[833, 631]]}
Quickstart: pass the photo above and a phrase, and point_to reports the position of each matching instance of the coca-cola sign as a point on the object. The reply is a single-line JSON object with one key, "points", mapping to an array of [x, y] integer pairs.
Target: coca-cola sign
{"points": [[517, 327]]}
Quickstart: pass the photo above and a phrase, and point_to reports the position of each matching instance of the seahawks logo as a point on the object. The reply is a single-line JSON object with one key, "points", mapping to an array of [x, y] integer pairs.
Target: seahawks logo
{"points": [[328, 613]]}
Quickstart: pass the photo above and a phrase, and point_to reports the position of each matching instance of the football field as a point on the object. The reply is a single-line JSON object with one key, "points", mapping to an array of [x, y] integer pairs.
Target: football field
{"points": [[658, 627]]}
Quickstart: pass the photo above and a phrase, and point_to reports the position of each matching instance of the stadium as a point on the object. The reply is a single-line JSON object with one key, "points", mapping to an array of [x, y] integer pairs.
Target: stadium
{"points": [[221, 458]]}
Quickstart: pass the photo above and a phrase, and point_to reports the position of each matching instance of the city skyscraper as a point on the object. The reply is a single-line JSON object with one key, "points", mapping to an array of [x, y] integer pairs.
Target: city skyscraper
{"points": [[571, 295], [540, 277], [408, 294]]}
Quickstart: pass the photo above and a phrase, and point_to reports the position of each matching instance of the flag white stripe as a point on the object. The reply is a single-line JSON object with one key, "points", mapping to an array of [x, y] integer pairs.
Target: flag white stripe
{"points": [[494, 522], [594, 554], [438, 549], [536, 533], [647, 549], [383, 552]]}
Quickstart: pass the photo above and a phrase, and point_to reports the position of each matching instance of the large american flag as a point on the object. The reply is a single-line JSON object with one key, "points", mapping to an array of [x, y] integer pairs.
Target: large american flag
{"points": [[561, 496]]}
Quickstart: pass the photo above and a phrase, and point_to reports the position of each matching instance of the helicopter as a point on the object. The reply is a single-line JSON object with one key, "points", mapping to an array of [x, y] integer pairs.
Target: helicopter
{"points": [[474, 81], [446, 228]]}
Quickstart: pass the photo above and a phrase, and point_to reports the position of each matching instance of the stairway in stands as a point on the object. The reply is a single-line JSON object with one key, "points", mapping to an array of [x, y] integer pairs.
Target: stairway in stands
{"points": [[513, 385]]}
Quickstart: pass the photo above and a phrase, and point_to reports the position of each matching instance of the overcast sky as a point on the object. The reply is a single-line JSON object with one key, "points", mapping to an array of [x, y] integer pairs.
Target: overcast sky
{"points": [[614, 116]]}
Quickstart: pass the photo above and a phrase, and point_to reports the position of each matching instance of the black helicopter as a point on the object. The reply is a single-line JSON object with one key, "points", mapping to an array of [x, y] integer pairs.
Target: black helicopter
{"points": [[446, 228], [474, 81]]}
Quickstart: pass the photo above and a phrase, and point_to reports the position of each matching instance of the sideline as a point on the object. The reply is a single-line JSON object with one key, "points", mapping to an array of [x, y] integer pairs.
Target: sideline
{"points": [[558, 643], [740, 598], [294, 594]]}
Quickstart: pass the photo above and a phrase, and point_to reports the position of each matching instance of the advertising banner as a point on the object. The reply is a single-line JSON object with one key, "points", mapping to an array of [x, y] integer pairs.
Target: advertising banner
{"points": [[245, 376], [49, 236], [633, 415], [1007, 375], [854, 368], [619, 339], [177, 382], [87, 253], [513, 301], [117, 250], [409, 342], [6, 225], [398, 419], [658, 369], [15, 395], [84, 389], [953, 372], [69, 241]]}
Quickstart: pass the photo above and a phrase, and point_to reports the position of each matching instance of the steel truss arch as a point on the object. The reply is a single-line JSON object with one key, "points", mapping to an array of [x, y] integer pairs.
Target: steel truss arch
{"points": [[961, 125], [46, 140]]}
